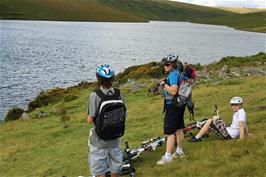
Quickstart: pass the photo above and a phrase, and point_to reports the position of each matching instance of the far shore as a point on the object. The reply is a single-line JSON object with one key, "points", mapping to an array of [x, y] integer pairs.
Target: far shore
{"points": [[131, 11], [77, 21]]}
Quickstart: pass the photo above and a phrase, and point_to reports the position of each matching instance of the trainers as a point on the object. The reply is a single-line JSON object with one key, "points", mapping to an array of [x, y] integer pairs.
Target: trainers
{"points": [[194, 139], [178, 155], [163, 161]]}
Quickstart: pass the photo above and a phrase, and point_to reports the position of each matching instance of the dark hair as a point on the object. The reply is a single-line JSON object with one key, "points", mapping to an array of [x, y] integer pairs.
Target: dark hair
{"points": [[174, 65], [105, 82]]}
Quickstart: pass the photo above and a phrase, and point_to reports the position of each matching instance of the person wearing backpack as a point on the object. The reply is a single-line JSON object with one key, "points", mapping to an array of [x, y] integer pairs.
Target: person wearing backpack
{"points": [[190, 70], [107, 113], [174, 116], [237, 129]]}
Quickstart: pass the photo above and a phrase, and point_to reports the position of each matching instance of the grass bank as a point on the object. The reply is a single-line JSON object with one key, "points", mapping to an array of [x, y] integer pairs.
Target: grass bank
{"points": [[42, 147], [128, 11], [242, 10]]}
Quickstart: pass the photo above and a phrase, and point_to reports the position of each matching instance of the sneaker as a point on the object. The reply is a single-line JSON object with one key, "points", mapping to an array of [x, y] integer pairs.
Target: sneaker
{"points": [[194, 139], [178, 155], [163, 161]]}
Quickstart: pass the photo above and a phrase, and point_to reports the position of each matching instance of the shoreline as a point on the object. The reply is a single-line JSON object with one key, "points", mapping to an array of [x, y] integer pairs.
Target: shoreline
{"points": [[148, 21], [206, 73]]}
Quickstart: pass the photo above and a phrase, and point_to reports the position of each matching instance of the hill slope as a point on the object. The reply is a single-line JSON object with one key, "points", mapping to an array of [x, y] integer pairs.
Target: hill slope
{"points": [[42, 147], [242, 10], [250, 21], [125, 10], [62, 10]]}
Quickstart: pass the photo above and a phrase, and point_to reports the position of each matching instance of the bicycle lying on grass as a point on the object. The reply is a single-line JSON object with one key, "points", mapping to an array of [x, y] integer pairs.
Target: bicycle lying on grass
{"points": [[199, 124], [151, 145]]}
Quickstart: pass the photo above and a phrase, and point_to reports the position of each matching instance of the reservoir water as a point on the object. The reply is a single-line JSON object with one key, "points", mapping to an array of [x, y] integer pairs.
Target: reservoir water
{"points": [[38, 55]]}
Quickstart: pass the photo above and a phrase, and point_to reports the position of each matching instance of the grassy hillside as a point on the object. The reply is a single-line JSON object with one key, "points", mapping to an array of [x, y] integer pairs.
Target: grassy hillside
{"points": [[258, 60], [242, 10], [42, 147], [165, 10], [63, 10], [128, 11], [250, 22]]}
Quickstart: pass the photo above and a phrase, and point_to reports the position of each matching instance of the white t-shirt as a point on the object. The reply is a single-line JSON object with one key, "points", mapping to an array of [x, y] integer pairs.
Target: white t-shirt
{"points": [[238, 116]]}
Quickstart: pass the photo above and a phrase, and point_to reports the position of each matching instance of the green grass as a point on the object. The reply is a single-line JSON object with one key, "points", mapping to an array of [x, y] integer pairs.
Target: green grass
{"points": [[128, 11], [63, 10], [42, 147], [250, 22], [258, 60]]}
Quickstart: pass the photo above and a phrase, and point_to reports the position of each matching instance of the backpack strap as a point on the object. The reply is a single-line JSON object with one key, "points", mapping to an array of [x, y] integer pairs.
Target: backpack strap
{"points": [[180, 83], [100, 93], [117, 93]]}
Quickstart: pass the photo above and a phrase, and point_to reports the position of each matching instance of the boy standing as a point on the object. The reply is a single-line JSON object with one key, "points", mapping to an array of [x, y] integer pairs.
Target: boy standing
{"points": [[107, 113]]}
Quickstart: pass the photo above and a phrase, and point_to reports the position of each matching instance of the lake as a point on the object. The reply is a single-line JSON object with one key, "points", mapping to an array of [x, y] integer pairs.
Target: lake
{"points": [[38, 55]]}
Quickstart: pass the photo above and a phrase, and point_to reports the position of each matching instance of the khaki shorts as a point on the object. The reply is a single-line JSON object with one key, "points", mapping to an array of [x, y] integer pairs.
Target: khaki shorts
{"points": [[102, 160], [103, 155]]}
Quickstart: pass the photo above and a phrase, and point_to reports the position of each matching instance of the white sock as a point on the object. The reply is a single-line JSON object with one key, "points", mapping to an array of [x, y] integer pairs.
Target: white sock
{"points": [[168, 156], [197, 136], [178, 150]]}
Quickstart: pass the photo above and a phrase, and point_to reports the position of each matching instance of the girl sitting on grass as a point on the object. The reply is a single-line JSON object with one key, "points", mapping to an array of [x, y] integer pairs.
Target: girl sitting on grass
{"points": [[238, 128]]}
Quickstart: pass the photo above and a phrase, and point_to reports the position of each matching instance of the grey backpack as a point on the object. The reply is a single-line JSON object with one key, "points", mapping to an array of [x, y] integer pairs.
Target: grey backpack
{"points": [[184, 94]]}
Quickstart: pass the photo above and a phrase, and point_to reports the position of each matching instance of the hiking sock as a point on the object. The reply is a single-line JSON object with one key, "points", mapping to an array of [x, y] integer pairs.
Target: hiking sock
{"points": [[179, 150], [197, 136], [168, 156]]}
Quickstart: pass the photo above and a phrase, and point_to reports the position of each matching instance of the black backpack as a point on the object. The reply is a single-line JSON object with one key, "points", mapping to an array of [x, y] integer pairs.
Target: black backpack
{"points": [[110, 120]]}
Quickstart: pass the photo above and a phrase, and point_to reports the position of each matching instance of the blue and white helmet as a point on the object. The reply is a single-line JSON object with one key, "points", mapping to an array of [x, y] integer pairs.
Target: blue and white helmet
{"points": [[236, 100], [171, 58], [105, 71]]}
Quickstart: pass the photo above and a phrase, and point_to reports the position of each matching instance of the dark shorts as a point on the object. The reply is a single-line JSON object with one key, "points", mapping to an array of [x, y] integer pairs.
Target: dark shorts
{"points": [[173, 119]]}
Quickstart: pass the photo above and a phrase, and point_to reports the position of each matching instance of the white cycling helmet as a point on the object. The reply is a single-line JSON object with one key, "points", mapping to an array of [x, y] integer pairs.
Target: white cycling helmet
{"points": [[171, 58], [236, 100]]}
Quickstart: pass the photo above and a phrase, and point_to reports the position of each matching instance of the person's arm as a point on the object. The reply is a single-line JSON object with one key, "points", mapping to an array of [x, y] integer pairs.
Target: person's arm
{"points": [[241, 129], [171, 86], [123, 99], [90, 119], [91, 112], [171, 89], [246, 131]]}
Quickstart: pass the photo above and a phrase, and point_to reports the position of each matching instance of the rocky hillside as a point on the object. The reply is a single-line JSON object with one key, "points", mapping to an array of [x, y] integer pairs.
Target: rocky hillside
{"points": [[146, 76]]}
